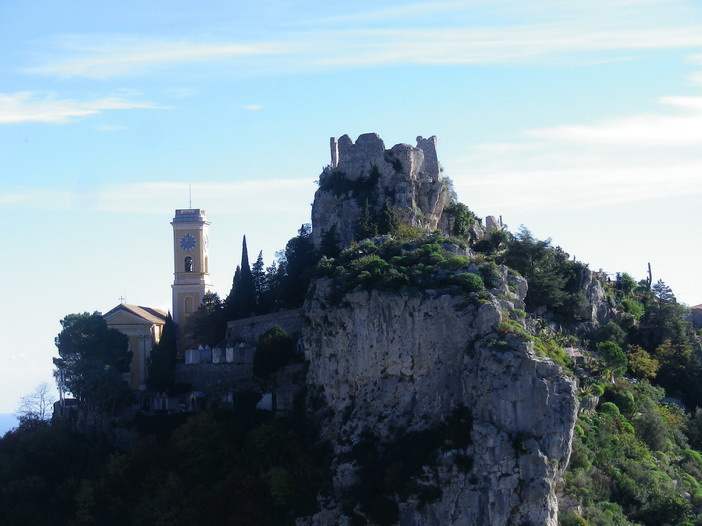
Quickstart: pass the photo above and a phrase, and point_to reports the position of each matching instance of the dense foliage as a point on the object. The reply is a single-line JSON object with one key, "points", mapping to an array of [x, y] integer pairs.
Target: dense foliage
{"points": [[391, 471], [635, 459], [92, 358], [273, 351], [256, 290], [218, 467], [162, 360], [428, 263], [554, 279]]}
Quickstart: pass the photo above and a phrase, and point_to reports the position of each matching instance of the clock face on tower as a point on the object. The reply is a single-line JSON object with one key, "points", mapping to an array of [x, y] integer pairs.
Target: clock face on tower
{"points": [[187, 242]]}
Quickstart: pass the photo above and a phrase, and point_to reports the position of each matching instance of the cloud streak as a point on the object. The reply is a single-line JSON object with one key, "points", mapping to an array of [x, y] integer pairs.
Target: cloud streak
{"points": [[654, 129], [633, 159], [35, 107], [444, 33], [241, 198], [100, 57]]}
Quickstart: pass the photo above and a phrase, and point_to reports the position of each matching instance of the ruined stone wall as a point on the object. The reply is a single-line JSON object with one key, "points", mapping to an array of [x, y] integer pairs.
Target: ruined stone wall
{"points": [[407, 177], [250, 329], [214, 379]]}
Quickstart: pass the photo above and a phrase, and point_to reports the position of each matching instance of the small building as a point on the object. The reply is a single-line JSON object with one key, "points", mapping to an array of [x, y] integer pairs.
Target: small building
{"points": [[143, 327]]}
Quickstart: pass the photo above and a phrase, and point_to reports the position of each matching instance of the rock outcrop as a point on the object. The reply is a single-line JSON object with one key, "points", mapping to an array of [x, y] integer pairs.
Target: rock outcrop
{"points": [[407, 178], [383, 365]]}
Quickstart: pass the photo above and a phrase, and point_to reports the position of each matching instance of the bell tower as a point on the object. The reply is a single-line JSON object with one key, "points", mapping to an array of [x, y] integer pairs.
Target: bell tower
{"points": [[191, 263]]}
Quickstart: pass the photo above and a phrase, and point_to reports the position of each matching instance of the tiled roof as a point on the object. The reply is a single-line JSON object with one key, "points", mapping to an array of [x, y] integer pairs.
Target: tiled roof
{"points": [[155, 316]]}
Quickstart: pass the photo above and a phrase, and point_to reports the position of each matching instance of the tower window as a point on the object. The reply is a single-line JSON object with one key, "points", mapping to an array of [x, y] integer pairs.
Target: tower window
{"points": [[189, 305], [188, 264]]}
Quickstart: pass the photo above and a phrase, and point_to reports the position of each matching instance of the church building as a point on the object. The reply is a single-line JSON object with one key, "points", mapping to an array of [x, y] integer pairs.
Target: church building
{"points": [[191, 262], [144, 325]]}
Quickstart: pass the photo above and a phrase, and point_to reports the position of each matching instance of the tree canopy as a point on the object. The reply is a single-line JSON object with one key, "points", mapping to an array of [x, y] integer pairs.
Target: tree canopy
{"points": [[162, 360], [92, 359]]}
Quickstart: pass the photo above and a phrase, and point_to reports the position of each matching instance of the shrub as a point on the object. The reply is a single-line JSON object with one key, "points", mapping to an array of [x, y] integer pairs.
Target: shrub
{"points": [[633, 307], [610, 409], [549, 347], [274, 350], [469, 282], [573, 519], [455, 263]]}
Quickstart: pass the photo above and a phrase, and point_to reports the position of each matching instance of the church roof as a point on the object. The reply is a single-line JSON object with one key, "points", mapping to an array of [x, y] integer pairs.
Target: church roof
{"points": [[154, 316]]}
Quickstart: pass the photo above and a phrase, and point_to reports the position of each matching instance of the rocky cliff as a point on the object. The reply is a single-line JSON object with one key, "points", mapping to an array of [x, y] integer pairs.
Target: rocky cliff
{"points": [[432, 378], [407, 178]]}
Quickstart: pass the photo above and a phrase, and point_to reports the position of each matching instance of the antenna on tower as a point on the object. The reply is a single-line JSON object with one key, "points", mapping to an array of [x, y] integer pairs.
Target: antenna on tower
{"points": [[190, 196]]}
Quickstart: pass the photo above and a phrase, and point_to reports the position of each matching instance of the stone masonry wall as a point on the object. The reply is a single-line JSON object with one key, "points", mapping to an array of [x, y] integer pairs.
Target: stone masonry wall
{"points": [[250, 329]]}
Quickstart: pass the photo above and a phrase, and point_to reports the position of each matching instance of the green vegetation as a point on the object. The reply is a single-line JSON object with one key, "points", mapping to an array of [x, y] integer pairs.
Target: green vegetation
{"points": [[554, 279], [283, 285], [635, 456], [462, 220], [162, 360], [208, 324], [631, 462], [360, 188], [550, 347], [218, 467], [427, 263], [274, 350], [389, 470], [92, 358]]}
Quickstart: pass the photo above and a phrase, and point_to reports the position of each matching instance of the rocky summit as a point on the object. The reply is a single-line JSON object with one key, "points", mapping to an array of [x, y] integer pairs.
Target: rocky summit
{"points": [[406, 178]]}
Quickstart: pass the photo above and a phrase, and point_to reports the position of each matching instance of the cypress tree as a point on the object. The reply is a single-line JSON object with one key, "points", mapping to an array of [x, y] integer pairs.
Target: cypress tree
{"points": [[367, 226], [388, 222], [247, 297], [241, 301], [329, 245], [162, 360]]}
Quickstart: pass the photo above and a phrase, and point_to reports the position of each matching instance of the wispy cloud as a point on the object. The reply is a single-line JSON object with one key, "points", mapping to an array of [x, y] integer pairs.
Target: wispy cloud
{"points": [[38, 107], [443, 33], [241, 198], [101, 57], [627, 160], [253, 107], [653, 129]]}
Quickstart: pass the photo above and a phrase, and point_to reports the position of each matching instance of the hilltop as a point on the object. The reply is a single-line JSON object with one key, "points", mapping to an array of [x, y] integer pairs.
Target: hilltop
{"points": [[408, 363]]}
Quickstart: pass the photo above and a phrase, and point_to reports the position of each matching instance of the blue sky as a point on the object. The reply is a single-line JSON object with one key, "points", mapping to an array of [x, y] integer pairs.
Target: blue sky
{"points": [[580, 120]]}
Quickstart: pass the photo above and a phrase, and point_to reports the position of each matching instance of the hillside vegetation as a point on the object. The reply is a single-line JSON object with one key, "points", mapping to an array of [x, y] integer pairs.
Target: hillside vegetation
{"points": [[636, 453]]}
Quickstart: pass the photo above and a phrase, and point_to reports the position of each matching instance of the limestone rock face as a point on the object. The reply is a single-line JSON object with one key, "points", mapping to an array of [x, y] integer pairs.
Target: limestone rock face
{"points": [[407, 178], [390, 363], [598, 311]]}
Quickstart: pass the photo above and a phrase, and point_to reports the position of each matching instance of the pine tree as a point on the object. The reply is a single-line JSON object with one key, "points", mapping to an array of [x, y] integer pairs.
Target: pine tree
{"points": [[258, 275], [299, 263], [208, 324]]}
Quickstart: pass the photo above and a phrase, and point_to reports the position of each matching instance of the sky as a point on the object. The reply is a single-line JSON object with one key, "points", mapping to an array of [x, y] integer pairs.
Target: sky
{"points": [[581, 120]]}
